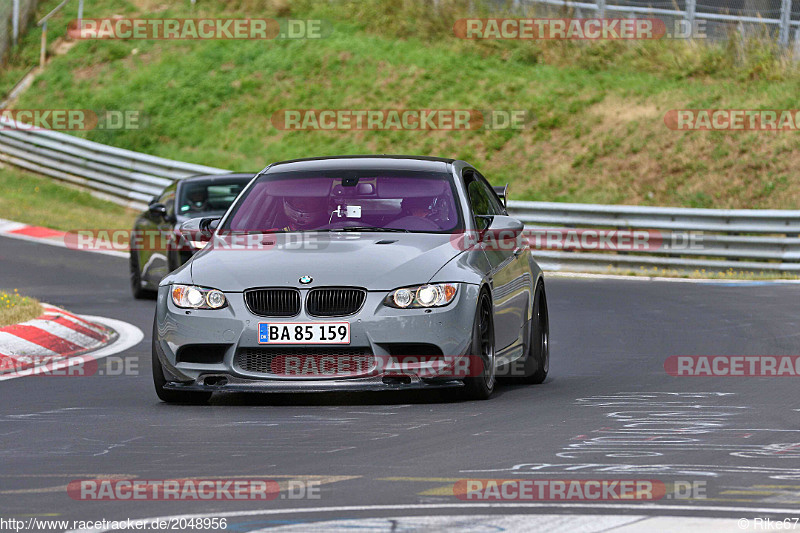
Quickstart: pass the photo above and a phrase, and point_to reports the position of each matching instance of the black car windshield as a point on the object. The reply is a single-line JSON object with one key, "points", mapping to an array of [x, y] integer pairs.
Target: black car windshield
{"points": [[365, 200], [198, 196]]}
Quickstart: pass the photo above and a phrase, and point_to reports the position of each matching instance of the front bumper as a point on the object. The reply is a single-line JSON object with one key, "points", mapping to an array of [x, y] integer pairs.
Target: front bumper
{"points": [[228, 383], [375, 328]]}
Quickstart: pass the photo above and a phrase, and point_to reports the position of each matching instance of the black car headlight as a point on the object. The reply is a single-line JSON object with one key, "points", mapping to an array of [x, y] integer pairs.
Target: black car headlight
{"points": [[430, 295], [191, 297]]}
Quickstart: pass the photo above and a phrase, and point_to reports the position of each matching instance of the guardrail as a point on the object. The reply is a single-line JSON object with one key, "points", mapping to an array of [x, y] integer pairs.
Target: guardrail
{"points": [[721, 239], [742, 239], [123, 176]]}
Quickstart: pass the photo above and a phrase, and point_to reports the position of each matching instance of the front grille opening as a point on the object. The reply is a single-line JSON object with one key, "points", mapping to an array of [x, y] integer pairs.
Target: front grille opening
{"points": [[204, 354], [415, 349], [273, 302], [306, 362], [335, 301]]}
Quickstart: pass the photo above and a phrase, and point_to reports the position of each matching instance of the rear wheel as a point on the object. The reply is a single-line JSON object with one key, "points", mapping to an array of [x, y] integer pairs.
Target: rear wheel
{"points": [[137, 290], [537, 364], [172, 396], [480, 387]]}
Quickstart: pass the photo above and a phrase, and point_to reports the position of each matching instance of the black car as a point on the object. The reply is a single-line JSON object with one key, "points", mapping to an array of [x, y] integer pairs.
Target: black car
{"points": [[155, 249]]}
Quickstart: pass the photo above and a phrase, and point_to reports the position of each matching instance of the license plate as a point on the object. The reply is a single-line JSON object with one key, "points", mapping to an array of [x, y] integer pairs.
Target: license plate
{"points": [[304, 333]]}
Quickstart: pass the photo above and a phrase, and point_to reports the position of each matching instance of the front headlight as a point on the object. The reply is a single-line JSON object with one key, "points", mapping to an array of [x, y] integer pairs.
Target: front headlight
{"points": [[433, 295], [190, 297]]}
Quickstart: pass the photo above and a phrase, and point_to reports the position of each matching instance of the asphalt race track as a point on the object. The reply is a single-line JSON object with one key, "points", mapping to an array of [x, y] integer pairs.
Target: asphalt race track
{"points": [[608, 411]]}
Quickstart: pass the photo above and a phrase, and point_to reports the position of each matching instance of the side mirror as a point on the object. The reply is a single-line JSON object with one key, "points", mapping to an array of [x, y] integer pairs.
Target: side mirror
{"points": [[157, 210], [503, 227], [203, 227], [209, 224]]}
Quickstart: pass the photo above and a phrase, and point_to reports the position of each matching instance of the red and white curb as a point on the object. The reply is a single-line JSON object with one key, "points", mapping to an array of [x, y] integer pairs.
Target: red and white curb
{"points": [[59, 339], [52, 237]]}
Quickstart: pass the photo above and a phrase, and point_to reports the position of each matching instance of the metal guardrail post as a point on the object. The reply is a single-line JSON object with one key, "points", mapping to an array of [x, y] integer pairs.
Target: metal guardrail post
{"points": [[601, 8], [43, 51], [80, 12], [43, 24], [691, 7], [786, 17], [15, 22]]}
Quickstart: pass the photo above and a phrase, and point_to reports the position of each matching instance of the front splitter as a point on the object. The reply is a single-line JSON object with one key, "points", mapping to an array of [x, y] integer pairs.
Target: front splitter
{"points": [[235, 384]]}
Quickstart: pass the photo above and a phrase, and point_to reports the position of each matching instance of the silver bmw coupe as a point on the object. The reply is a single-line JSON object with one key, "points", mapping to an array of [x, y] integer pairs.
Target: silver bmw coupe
{"points": [[354, 273]]}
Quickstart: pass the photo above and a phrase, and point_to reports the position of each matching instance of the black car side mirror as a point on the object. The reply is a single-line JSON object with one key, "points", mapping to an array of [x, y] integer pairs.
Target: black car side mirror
{"points": [[205, 226], [157, 210]]}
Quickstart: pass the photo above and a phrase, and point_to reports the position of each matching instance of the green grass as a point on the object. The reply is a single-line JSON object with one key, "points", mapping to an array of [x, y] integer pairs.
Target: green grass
{"points": [[26, 55], [597, 131], [15, 308], [45, 202]]}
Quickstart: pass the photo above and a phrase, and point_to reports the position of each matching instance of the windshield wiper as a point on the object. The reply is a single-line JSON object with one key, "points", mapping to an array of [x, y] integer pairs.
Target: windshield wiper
{"points": [[371, 228]]}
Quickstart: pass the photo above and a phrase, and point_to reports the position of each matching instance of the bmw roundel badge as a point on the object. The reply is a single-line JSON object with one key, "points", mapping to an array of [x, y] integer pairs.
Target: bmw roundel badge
{"points": [[305, 280]]}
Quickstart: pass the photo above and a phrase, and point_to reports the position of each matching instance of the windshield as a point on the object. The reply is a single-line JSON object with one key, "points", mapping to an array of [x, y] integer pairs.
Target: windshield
{"points": [[209, 196], [362, 200]]}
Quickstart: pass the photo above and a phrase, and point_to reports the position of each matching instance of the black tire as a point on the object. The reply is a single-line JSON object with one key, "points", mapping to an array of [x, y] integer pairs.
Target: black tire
{"points": [[481, 387], [537, 363], [172, 396], [137, 290]]}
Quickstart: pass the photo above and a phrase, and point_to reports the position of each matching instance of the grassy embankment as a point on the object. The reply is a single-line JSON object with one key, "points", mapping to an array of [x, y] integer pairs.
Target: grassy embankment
{"points": [[597, 133], [41, 201]]}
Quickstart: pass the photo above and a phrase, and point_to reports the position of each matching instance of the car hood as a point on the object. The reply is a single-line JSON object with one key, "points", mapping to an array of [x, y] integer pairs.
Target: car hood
{"points": [[376, 261]]}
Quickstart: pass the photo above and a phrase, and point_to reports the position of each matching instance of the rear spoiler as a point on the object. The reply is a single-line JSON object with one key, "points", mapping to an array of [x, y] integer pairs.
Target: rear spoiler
{"points": [[502, 192]]}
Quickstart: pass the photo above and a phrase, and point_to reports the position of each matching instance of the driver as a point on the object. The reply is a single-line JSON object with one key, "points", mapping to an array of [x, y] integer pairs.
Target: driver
{"points": [[417, 206], [305, 212], [198, 199]]}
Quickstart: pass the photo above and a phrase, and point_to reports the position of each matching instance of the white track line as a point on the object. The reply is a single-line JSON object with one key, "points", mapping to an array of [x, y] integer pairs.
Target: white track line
{"points": [[60, 243], [9, 225], [516, 523], [740, 511]]}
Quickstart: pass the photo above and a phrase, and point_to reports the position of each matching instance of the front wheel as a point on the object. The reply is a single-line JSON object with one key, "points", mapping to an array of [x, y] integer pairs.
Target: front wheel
{"points": [[139, 292], [481, 387], [172, 396]]}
